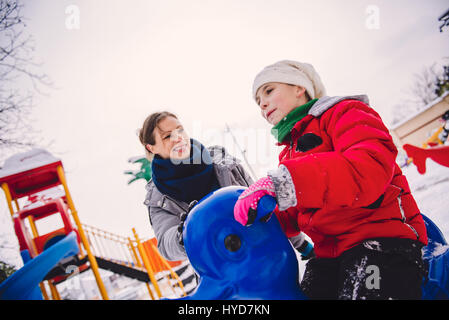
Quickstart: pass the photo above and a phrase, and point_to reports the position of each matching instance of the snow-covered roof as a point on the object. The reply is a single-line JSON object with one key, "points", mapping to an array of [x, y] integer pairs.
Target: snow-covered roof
{"points": [[25, 161], [413, 115]]}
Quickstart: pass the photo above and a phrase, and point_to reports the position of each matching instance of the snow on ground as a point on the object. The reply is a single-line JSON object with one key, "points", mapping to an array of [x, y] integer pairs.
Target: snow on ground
{"points": [[431, 192]]}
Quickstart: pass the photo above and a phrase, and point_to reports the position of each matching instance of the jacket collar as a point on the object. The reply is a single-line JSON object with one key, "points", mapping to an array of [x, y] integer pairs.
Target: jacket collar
{"points": [[326, 102], [319, 107]]}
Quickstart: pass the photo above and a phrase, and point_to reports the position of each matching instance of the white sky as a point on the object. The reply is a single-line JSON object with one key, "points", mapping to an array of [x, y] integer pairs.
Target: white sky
{"points": [[198, 59]]}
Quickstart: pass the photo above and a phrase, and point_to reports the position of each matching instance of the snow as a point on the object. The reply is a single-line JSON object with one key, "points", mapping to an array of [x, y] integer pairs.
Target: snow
{"points": [[430, 191], [40, 198], [439, 249], [26, 161]]}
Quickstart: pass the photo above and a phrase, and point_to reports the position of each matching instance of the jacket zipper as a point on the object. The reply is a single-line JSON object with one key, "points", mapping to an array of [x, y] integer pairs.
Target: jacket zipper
{"points": [[403, 216]]}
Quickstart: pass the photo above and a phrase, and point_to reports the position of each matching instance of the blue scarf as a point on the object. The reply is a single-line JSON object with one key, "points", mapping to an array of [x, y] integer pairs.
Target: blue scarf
{"points": [[188, 179]]}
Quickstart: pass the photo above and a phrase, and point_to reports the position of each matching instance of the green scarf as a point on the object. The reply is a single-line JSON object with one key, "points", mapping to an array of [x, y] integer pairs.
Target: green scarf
{"points": [[283, 128]]}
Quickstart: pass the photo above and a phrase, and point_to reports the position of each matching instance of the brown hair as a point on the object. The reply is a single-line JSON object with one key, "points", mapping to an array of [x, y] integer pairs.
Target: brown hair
{"points": [[305, 92], [146, 134]]}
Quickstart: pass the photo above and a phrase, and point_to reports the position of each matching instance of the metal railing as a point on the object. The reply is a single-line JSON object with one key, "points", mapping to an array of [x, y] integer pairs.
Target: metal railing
{"points": [[138, 254]]}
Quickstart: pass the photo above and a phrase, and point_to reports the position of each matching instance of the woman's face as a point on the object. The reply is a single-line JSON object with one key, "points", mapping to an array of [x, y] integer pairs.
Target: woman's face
{"points": [[171, 140], [276, 100]]}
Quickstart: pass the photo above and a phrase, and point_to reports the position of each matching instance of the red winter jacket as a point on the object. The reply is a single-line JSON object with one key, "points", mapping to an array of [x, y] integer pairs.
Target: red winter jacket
{"points": [[348, 186]]}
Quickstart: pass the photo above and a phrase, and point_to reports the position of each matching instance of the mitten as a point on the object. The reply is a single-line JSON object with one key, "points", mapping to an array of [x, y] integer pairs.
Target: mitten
{"points": [[245, 209]]}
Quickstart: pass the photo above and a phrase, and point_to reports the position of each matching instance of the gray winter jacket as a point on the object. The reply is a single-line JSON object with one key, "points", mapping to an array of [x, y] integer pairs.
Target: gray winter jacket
{"points": [[165, 211]]}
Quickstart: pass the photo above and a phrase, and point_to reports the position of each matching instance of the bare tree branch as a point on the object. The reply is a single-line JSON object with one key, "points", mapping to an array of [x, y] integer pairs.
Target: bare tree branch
{"points": [[18, 67], [419, 94]]}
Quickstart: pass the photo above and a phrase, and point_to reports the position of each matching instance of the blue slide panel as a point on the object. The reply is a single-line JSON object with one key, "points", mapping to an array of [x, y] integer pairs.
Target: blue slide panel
{"points": [[24, 283]]}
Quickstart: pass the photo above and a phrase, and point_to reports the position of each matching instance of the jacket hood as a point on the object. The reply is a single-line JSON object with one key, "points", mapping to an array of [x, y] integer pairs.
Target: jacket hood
{"points": [[327, 102]]}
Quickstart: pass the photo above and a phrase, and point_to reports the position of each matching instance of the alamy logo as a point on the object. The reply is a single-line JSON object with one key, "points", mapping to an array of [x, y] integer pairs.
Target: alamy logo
{"points": [[73, 282], [372, 21], [373, 279], [72, 20]]}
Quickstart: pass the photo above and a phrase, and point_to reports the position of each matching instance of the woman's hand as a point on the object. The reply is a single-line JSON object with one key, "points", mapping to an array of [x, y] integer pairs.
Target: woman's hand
{"points": [[183, 218]]}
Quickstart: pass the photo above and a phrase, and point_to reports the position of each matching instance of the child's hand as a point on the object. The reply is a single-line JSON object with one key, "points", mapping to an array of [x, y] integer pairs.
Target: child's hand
{"points": [[245, 209]]}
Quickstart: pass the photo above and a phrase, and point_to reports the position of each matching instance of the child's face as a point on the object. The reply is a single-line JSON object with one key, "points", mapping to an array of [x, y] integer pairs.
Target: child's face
{"points": [[276, 100], [172, 141]]}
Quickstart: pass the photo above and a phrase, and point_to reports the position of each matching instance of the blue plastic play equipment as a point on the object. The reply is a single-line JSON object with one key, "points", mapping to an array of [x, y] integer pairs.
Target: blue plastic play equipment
{"points": [[237, 262], [23, 284], [436, 286]]}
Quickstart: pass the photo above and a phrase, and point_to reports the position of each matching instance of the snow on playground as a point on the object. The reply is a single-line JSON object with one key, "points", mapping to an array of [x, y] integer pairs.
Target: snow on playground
{"points": [[26, 161]]}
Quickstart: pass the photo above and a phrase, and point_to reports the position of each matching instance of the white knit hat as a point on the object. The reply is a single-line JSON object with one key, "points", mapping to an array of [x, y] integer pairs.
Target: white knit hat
{"points": [[291, 72]]}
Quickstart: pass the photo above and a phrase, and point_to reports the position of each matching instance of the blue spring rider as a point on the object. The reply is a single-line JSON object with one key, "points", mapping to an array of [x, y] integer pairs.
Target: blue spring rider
{"points": [[237, 262], [257, 262], [436, 253]]}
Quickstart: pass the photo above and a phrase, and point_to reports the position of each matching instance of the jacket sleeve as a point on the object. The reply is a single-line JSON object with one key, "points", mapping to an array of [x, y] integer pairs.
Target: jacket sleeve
{"points": [[245, 175], [289, 226], [221, 156], [165, 225], [358, 170], [297, 240]]}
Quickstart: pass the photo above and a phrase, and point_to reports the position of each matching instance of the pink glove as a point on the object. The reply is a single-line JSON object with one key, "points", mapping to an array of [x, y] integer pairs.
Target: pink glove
{"points": [[245, 209]]}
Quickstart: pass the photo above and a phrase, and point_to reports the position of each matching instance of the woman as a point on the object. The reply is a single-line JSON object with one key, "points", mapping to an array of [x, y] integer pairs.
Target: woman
{"points": [[184, 171]]}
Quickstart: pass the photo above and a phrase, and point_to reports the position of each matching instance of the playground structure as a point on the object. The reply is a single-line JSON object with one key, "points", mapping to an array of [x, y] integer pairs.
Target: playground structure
{"points": [[436, 147], [37, 181]]}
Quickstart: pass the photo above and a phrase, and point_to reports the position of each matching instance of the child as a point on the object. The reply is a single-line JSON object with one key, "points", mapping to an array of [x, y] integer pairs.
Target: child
{"points": [[338, 182]]}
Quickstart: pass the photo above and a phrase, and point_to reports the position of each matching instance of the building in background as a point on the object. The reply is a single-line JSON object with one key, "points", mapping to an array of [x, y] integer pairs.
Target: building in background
{"points": [[418, 128]]}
